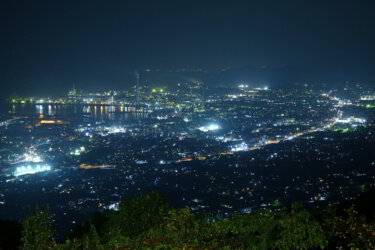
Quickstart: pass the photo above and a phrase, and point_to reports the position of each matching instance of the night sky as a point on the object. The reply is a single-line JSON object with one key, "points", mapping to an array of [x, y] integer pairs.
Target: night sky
{"points": [[45, 46]]}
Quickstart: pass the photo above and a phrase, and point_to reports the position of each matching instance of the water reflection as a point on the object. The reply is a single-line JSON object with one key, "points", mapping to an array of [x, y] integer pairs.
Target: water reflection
{"points": [[94, 111], [50, 112], [39, 109]]}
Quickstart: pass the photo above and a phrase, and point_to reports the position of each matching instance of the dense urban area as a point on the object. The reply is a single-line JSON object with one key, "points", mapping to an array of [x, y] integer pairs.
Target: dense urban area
{"points": [[212, 149], [168, 125]]}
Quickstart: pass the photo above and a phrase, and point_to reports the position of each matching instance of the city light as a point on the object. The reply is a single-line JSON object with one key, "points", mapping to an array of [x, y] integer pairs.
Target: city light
{"points": [[115, 130], [240, 147], [211, 127], [351, 120], [31, 169], [32, 157], [243, 86], [368, 98], [222, 124], [78, 151]]}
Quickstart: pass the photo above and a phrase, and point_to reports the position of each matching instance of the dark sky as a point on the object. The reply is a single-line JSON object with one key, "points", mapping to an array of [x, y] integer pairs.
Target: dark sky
{"points": [[45, 46]]}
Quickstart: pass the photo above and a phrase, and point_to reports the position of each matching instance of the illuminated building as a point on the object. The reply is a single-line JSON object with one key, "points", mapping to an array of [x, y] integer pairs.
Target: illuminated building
{"points": [[31, 169]]}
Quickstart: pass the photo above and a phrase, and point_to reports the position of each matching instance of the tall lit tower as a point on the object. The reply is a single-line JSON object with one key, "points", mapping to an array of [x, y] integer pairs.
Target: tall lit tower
{"points": [[73, 92], [137, 88]]}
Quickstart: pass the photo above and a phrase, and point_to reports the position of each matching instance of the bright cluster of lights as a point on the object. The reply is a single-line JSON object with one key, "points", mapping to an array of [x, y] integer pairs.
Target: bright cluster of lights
{"points": [[102, 130], [78, 151], [160, 117], [211, 127], [114, 206], [233, 96], [350, 120], [368, 98], [240, 147], [32, 157], [158, 90], [243, 86], [31, 169], [343, 103], [116, 130], [264, 88], [226, 139]]}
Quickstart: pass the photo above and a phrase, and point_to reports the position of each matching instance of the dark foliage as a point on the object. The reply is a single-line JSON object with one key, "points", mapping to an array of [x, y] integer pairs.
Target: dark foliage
{"points": [[10, 234], [148, 222]]}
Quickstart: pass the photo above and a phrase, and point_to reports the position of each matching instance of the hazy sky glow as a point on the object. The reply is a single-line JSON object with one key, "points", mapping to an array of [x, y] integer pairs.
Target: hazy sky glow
{"points": [[46, 43]]}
